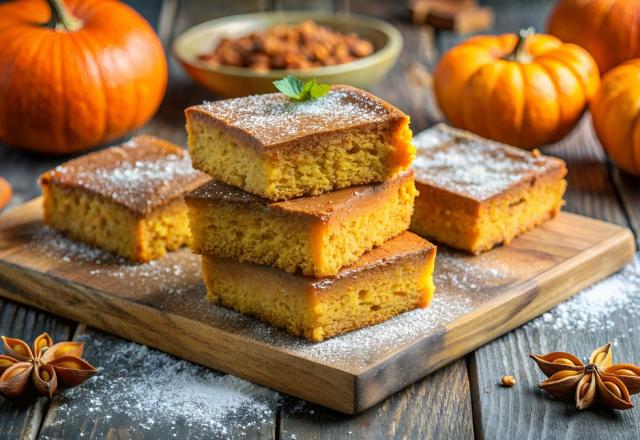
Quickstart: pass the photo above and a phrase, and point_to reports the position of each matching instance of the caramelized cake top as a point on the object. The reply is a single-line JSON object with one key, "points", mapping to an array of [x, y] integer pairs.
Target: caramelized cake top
{"points": [[474, 167], [141, 174], [272, 120], [322, 207]]}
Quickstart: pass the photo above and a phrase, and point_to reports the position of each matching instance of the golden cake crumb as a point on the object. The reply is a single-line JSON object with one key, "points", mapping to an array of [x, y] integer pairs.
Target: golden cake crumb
{"points": [[278, 149], [391, 279], [475, 194], [317, 235], [127, 200]]}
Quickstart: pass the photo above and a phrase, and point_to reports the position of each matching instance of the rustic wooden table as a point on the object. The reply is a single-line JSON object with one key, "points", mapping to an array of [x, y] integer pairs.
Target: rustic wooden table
{"points": [[462, 400]]}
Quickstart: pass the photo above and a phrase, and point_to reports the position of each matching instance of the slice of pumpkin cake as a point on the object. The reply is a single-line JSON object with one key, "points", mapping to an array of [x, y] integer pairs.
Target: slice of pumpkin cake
{"points": [[393, 278], [475, 194], [279, 149], [317, 235], [126, 199]]}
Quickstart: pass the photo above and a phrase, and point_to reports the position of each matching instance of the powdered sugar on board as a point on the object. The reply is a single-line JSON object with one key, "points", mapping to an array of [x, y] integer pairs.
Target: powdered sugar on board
{"points": [[174, 283], [175, 273], [150, 392], [459, 280], [595, 308]]}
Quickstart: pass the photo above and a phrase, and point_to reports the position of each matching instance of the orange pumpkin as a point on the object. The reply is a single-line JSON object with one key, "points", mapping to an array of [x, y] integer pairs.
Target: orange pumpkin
{"points": [[526, 90], [608, 29], [616, 115], [77, 76], [5, 192]]}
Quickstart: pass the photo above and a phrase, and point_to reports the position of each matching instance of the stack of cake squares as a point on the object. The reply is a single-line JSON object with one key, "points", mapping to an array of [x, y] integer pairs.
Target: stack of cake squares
{"points": [[304, 224]]}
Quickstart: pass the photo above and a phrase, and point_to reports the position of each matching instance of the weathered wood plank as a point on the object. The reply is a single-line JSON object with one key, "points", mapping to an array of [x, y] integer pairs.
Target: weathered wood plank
{"points": [[524, 411], [628, 187], [590, 190], [438, 406], [23, 420], [144, 394]]}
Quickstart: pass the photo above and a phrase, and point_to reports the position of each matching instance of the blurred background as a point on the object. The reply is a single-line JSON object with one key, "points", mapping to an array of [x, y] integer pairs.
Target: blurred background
{"points": [[428, 28]]}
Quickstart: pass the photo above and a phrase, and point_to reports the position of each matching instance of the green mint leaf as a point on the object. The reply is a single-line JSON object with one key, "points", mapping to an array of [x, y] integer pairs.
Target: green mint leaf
{"points": [[306, 90], [290, 86], [319, 90], [296, 90]]}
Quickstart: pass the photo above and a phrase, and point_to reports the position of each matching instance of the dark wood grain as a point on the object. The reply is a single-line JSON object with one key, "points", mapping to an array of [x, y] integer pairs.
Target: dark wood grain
{"points": [[524, 411], [527, 412], [419, 411], [92, 414], [590, 190], [24, 420], [628, 187]]}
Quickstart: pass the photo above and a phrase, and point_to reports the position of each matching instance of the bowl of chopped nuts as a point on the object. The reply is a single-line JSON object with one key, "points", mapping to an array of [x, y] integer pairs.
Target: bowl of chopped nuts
{"points": [[244, 54]]}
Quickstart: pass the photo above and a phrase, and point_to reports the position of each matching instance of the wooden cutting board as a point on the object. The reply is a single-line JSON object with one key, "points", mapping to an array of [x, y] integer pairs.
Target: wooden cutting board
{"points": [[161, 304]]}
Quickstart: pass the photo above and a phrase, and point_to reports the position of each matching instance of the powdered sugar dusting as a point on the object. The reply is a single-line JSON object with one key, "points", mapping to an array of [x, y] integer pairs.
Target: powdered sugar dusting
{"points": [[273, 118], [595, 308], [152, 392], [461, 281], [56, 245], [140, 174], [453, 160], [135, 182], [175, 273], [459, 285]]}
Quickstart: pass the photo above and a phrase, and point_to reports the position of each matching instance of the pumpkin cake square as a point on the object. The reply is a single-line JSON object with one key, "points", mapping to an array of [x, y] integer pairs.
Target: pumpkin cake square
{"points": [[126, 199], [272, 147], [391, 279], [475, 194], [316, 235]]}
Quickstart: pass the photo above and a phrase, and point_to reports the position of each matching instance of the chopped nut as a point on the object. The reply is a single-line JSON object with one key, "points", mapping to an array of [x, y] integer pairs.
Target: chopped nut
{"points": [[300, 46], [508, 381]]}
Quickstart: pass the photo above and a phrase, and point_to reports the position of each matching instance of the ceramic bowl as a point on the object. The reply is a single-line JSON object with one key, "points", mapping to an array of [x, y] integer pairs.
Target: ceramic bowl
{"points": [[229, 81]]}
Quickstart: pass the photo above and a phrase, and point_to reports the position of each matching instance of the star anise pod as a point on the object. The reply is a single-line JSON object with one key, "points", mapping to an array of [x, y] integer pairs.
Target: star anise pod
{"points": [[43, 367], [598, 381]]}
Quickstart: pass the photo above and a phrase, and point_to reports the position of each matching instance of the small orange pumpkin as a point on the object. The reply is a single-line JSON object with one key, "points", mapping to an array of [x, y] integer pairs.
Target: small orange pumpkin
{"points": [[5, 192], [608, 29], [526, 90], [74, 77], [616, 115]]}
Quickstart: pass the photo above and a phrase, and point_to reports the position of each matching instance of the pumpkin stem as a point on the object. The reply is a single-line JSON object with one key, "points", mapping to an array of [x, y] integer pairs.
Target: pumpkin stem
{"points": [[519, 53], [61, 18]]}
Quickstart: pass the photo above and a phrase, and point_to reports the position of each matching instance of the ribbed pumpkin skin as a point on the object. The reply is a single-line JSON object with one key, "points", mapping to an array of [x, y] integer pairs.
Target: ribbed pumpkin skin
{"points": [[62, 91], [527, 102], [608, 29], [616, 115]]}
